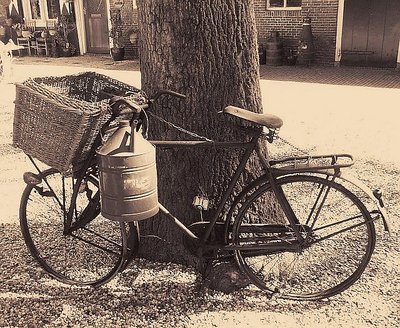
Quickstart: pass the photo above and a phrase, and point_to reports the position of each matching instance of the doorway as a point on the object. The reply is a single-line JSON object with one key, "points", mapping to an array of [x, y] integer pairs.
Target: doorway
{"points": [[371, 32], [96, 24]]}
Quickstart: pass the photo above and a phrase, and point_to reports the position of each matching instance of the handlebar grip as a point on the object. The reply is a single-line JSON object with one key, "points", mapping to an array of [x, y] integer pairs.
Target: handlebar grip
{"points": [[175, 94], [167, 92]]}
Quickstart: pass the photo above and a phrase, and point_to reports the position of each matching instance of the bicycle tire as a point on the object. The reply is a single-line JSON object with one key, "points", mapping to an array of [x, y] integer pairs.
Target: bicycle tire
{"points": [[92, 255], [321, 268]]}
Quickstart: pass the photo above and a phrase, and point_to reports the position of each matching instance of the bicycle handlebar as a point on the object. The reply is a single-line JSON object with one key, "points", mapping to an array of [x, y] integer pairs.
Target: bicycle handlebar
{"points": [[167, 92], [132, 107]]}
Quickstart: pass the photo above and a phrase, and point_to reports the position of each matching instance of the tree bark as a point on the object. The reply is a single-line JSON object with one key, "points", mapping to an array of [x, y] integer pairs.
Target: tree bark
{"points": [[206, 50]]}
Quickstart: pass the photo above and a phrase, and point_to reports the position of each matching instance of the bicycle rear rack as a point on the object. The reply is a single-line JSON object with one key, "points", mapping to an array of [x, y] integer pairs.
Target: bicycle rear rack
{"points": [[312, 163]]}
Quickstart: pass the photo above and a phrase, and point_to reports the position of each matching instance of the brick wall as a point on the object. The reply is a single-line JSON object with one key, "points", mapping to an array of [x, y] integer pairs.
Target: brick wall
{"points": [[288, 23], [129, 24], [129, 20], [323, 14]]}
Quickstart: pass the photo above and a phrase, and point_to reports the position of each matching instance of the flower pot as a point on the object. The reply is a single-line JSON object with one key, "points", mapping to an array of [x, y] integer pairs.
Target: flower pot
{"points": [[66, 52], [117, 54], [291, 60]]}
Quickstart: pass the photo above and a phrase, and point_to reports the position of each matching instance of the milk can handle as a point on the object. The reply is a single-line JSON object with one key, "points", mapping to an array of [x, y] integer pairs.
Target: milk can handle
{"points": [[133, 132]]}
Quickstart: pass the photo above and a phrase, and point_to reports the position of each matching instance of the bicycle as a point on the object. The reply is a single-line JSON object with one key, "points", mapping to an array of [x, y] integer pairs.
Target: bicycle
{"points": [[314, 243]]}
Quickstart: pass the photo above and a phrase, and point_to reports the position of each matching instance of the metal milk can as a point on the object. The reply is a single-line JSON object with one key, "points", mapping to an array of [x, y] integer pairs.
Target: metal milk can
{"points": [[128, 176]]}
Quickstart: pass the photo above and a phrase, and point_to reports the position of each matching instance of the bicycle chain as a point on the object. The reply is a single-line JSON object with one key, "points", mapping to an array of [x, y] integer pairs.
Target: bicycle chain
{"points": [[179, 128], [195, 135], [302, 151]]}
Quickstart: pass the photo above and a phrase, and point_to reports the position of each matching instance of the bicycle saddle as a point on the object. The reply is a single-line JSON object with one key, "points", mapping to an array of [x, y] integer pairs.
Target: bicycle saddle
{"points": [[268, 120]]}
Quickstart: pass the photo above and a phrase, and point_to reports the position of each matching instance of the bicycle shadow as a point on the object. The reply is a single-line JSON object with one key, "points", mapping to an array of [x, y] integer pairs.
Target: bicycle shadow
{"points": [[155, 294]]}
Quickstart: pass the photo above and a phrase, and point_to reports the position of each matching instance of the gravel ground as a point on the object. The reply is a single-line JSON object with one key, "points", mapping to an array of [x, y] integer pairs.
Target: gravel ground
{"points": [[166, 295]]}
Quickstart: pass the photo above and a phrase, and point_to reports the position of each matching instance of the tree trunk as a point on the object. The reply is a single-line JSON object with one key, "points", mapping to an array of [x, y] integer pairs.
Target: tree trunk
{"points": [[206, 50]]}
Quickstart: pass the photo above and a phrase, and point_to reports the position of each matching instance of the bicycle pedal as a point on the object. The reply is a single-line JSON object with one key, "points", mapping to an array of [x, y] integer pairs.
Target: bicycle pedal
{"points": [[31, 178]]}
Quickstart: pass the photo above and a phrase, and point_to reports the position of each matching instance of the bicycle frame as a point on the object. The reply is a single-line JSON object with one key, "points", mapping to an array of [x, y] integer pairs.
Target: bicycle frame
{"points": [[249, 147]]}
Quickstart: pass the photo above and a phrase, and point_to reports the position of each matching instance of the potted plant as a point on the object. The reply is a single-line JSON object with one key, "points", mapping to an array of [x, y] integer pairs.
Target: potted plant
{"points": [[9, 22], [17, 27], [64, 28], [117, 49]]}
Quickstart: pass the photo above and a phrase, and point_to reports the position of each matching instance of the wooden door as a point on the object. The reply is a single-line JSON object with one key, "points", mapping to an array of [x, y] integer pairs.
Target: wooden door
{"points": [[371, 32], [96, 22]]}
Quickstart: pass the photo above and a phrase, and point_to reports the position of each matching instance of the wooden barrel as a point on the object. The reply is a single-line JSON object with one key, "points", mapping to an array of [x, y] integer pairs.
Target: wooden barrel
{"points": [[274, 50]]}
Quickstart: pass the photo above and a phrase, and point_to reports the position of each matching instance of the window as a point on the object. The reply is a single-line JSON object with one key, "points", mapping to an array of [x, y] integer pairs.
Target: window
{"points": [[53, 9], [283, 4], [35, 9], [42, 10]]}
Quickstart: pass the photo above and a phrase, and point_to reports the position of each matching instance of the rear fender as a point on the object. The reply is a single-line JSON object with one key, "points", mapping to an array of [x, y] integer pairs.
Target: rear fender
{"points": [[375, 195]]}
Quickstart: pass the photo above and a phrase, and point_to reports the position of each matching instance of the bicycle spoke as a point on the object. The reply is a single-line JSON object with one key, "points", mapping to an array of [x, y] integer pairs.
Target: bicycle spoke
{"points": [[98, 246], [338, 239], [90, 256]]}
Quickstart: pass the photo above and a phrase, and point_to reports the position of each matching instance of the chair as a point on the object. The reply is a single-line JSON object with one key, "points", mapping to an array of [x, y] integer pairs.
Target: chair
{"points": [[27, 41], [43, 43]]}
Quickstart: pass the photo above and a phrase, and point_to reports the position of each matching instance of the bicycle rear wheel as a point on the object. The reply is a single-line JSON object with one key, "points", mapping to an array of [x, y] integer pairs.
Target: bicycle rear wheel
{"points": [[91, 255], [338, 231]]}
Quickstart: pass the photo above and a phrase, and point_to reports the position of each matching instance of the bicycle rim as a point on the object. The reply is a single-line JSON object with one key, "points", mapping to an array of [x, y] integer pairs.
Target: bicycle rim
{"points": [[89, 256], [340, 239]]}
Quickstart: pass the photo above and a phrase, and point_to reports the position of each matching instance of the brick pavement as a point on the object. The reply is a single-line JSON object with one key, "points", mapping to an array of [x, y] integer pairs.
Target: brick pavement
{"points": [[370, 77]]}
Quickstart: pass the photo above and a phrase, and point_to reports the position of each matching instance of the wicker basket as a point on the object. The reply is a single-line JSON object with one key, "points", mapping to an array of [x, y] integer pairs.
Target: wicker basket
{"points": [[57, 119]]}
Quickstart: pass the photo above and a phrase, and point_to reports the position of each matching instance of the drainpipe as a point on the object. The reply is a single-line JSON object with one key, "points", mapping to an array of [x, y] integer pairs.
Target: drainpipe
{"points": [[339, 32], [80, 25], [398, 58]]}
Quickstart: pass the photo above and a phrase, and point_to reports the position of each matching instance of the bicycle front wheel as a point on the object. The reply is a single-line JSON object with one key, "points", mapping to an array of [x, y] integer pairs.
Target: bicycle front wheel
{"points": [[90, 255], [339, 238]]}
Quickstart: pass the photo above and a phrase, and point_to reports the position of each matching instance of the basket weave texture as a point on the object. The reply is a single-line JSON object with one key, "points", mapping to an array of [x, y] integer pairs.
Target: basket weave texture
{"points": [[57, 119]]}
